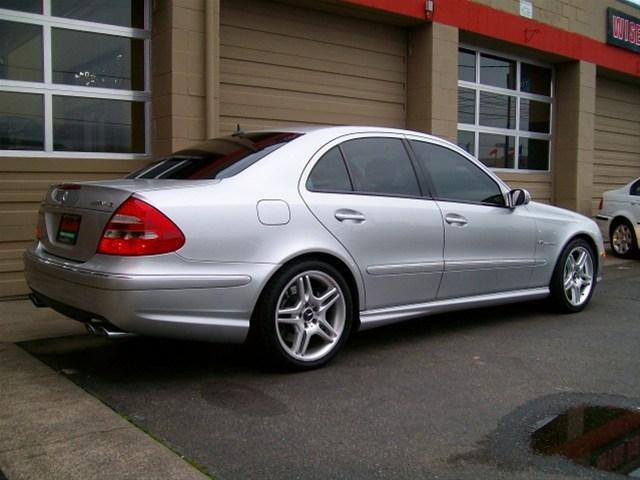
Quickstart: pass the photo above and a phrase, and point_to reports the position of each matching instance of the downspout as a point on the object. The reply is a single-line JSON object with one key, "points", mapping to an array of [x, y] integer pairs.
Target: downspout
{"points": [[212, 72]]}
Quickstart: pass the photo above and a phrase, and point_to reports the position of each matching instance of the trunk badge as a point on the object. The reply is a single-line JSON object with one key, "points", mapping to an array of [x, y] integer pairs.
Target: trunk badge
{"points": [[102, 203]]}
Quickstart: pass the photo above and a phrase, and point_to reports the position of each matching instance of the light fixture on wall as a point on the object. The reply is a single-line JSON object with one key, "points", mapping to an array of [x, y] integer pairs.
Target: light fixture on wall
{"points": [[428, 8]]}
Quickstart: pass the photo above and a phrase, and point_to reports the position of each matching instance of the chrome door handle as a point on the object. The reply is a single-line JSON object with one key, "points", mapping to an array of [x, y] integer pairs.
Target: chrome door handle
{"points": [[346, 214], [455, 219]]}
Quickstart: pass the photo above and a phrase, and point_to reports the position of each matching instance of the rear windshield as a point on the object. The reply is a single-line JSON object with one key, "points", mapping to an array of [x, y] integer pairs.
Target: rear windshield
{"points": [[216, 159]]}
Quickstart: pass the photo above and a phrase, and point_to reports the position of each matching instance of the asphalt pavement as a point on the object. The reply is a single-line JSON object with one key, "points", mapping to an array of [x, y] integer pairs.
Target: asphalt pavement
{"points": [[450, 397]]}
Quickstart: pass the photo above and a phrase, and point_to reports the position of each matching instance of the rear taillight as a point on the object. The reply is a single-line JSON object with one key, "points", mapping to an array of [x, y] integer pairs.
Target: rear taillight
{"points": [[137, 228], [600, 204]]}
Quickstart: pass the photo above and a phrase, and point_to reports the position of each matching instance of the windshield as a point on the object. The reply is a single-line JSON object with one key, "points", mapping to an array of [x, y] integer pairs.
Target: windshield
{"points": [[216, 159]]}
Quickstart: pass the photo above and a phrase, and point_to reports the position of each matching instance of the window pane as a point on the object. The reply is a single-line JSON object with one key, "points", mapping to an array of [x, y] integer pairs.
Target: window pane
{"points": [[21, 121], [534, 79], [330, 173], [466, 105], [535, 116], [31, 6], [466, 140], [533, 154], [96, 60], [218, 158], [97, 125], [20, 51], [454, 177], [497, 110], [466, 65], [497, 71], [381, 165], [496, 151], [127, 13]]}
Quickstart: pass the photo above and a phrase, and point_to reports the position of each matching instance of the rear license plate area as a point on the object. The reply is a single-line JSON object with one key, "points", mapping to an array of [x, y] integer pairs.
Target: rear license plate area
{"points": [[68, 229]]}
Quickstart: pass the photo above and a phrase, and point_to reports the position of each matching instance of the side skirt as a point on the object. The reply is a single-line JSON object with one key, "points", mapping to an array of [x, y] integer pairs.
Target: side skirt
{"points": [[384, 316]]}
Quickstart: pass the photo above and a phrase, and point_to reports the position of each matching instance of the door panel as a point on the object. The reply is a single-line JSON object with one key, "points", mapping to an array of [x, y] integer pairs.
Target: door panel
{"points": [[488, 249], [396, 242]]}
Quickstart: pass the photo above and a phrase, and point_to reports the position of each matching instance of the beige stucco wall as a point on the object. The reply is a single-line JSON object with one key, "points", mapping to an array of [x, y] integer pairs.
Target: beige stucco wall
{"points": [[585, 17]]}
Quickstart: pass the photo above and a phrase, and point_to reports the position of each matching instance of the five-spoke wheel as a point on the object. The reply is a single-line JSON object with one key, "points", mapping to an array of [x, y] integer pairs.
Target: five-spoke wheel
{"points": [[574, 277], [305, 314]]}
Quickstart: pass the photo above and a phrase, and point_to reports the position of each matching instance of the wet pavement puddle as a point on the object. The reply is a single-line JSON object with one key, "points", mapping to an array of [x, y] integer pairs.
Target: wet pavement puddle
{"points": [[605, 438]]}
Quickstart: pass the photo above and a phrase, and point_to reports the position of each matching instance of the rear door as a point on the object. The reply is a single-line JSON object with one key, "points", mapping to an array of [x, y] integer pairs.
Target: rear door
{"points": [[365, 192], [488, 247]]}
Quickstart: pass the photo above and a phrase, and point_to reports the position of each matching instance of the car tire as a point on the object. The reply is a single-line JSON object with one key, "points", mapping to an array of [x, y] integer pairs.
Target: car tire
{"points": [[574, 277], [624, 243], [304, 315]]}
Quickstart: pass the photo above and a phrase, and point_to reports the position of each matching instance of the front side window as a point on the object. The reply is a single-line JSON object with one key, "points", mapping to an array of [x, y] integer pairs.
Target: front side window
{"points": [[504, 110], [635, 188], [74, 78], [455, 178], [380, 166]]}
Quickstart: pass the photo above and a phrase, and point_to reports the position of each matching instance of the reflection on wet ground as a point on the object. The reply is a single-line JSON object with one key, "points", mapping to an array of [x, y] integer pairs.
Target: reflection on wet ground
{"points": [[605, 438]]}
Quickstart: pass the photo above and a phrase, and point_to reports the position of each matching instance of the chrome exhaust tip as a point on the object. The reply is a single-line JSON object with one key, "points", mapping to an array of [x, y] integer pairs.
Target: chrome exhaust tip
{"points": [[99, 329]]}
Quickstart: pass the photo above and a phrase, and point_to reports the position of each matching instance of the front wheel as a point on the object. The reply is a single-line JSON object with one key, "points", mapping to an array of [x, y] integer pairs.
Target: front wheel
{"points": [[574, 277], [304, 315]]}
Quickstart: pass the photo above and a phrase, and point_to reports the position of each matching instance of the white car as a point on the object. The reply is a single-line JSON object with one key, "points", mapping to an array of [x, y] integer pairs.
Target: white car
{"points": [[619, 218]]}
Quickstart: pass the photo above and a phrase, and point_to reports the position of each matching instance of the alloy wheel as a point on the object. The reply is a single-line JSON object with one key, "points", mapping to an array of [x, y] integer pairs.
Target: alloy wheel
{"points": [[621, 239], [578, 276], [310, 316]]}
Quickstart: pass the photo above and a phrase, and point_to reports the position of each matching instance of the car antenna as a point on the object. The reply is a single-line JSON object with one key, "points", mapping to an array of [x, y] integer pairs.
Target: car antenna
{"points": [[238, 132]]}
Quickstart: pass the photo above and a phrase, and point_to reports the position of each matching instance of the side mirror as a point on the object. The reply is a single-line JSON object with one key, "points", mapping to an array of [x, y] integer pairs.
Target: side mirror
{"points": [[518, 196]]}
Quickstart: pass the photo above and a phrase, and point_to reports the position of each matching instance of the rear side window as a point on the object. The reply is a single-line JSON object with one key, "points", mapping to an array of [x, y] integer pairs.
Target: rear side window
{"points": [[380, 166], [330, 174], [454, 177], [216, 159]]}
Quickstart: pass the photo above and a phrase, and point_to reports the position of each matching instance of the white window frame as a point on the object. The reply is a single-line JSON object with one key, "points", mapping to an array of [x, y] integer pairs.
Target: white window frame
{"points": [[48, 89], [478, 87]]}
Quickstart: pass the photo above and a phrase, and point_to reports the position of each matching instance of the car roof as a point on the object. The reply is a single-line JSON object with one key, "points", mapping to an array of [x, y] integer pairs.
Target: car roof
{"points": [[338, 130]]}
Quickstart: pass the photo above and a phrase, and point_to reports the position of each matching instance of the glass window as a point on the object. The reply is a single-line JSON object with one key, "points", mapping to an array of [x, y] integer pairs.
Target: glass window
{"points": [[454, 177], [497, 71], [466, 105], [513, 112], [533, 154], [534, 79], [20, 51], [219, 158], [330, 173], [21, 121], [535, 116], [380, 165], [497, 110], [30, 6], [496, 151], [635, 188], [467, 140], [126, 13], [466, 65], [97, 125], [96, 60]]}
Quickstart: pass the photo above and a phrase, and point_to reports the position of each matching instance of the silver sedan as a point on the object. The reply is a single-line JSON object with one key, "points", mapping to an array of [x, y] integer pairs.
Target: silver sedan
{"points": [[297, 237]]}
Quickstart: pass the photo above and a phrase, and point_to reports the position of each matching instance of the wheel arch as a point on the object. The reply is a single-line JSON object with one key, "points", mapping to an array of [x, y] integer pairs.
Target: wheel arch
{"points": [[592, 244], [347, 273]]}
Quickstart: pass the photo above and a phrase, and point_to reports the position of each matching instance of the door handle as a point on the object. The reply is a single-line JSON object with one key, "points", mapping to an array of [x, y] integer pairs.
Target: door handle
{"points": [[455, 219], [346, 214]]}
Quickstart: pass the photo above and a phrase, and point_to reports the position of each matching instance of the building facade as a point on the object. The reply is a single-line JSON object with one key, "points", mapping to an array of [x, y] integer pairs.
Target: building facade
{"points": [[546, 92]]}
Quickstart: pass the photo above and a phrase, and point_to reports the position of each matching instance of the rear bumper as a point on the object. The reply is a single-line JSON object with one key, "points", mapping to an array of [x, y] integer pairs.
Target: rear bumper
{"points": [[211, 302], [603, 222]]}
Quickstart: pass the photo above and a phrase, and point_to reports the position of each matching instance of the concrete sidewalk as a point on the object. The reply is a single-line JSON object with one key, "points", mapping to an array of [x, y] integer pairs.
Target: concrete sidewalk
{"points": [[50, 428]]}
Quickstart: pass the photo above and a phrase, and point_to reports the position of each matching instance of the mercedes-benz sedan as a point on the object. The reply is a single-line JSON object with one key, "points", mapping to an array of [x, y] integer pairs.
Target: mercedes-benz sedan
{"points": [[297, 237]]}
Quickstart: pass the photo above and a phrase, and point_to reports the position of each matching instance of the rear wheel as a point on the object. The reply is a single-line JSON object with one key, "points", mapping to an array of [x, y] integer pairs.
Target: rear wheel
{"points": [[623, 239], [304, 315], [574, 277]]}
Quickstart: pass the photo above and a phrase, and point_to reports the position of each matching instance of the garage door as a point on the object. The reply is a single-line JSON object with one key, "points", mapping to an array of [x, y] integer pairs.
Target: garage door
{"points": [[617, 138], [283, 65]]}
